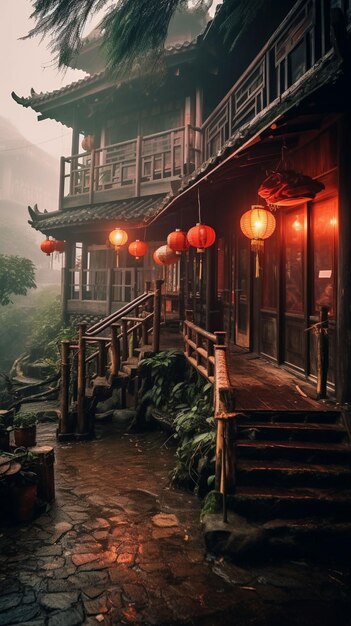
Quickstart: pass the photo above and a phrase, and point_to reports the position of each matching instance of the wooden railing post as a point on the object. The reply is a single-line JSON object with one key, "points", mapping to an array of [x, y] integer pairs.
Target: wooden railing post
{"points": [[125, 351], [101, 370], [115, 351], [221, 337], [157, 316], [322, 353], [144, 333], [82, 422], [92, 177], [64, 396]]}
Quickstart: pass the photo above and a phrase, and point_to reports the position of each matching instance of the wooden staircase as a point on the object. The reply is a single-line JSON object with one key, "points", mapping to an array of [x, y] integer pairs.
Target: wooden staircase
{"points": [[103, 359], [292, 465]]}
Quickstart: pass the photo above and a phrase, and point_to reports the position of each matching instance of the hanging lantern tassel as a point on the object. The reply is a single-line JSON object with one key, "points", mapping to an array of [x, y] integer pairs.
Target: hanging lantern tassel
{"points": [[257, 246]]}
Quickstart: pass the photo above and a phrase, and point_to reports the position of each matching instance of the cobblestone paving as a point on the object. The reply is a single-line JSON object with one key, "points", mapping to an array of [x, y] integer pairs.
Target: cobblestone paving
{"points": [[120, 547]]}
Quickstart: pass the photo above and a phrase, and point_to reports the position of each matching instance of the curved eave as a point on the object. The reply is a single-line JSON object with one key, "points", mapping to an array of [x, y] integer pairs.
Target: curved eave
{"points": [[48, 103]]}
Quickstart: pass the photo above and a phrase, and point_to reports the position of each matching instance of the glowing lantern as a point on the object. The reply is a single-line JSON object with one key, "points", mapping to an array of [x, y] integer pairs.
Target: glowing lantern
{"points": [[177, 241], [201, 236], [118, 238], [257, 224], [137, 248], [48, 246], [88, 143], [165, 256], [59, 246]]}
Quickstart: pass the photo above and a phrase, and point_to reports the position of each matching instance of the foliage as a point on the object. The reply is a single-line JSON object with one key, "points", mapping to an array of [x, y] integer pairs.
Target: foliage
{"points": [[182, 394], [195, 434], [25, 419], [46, 333], [165, 369], [132, 29], [17, 275]]}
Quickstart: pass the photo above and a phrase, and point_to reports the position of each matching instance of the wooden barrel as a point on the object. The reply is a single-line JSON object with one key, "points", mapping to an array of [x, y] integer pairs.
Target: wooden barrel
{"points": [[44, 459]]}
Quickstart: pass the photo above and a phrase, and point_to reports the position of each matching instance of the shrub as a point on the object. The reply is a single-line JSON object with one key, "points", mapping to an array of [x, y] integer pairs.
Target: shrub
{"points": [[25, 419]]}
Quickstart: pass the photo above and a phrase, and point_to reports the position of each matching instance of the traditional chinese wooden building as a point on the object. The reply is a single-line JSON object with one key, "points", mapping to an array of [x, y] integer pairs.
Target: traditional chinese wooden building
{"points": [[206, 130]]}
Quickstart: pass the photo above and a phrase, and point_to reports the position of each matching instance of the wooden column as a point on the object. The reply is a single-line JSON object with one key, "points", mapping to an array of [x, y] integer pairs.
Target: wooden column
{"points": [[63, 429], [62, 182], [322, 353], [138, 166], [211, 298], [157, 316], [109, 291], [343, 321], [65, 280], [82, 425]]}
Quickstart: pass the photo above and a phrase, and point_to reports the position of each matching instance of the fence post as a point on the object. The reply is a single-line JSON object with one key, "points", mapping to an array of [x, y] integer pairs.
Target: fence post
{"points": [[125, 351], [92, 177], [82, 417], [157, 316], [115, 351], [144, 333], [101, 360], [322, 353], [64, 396]]}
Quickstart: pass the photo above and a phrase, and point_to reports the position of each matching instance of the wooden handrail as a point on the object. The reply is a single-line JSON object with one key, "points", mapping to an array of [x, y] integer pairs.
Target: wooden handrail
{"points": [[212, 363], [117, 315]]}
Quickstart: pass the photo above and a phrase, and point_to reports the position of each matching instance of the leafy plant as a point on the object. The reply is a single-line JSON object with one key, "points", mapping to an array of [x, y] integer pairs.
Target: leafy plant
{"points": [[187, 399], [25, 419]]}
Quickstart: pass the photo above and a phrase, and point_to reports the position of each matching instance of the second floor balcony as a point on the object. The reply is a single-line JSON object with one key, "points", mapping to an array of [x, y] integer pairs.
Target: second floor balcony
{"points": [[140, 166]]}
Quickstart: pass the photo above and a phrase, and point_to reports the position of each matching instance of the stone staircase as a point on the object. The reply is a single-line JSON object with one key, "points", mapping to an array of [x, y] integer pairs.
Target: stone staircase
{"points": [[293, 465]]}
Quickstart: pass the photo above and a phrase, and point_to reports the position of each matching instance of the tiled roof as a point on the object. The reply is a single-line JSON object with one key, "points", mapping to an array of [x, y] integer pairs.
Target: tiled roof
{"points": [[137, 211], [36, 99]]}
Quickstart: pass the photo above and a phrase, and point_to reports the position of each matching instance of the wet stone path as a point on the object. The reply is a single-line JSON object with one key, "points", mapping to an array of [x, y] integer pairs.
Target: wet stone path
{"points": [[119, 546]]}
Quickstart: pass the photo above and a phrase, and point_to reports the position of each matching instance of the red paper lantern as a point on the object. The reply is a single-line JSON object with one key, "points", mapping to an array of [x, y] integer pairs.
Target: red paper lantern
{"points": [[88, 143], [137, 248], [60, 245], [201, 236], [165, 256], [177, 241], [48, 246]]}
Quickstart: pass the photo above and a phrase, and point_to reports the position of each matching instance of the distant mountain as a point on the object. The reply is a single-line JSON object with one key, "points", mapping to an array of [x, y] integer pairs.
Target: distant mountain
{"points": [[28, 175]]}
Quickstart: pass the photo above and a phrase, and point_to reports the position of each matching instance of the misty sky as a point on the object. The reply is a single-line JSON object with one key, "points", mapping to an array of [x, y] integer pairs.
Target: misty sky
{"points": [[26, 64]]}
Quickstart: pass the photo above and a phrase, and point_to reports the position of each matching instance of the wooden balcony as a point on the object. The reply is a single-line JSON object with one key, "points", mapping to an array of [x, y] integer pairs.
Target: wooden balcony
{"points": [[141, 166], [301, 40]]}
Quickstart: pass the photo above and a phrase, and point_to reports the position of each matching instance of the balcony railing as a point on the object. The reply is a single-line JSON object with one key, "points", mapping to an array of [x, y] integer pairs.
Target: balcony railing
{"points": [[166, 155], [300, 41]]}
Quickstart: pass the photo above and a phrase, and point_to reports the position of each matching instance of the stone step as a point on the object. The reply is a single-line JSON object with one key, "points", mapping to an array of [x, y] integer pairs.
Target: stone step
{"points": [[290, 473], [263, 503], [291, 431], [311, 452], [325, 417]]}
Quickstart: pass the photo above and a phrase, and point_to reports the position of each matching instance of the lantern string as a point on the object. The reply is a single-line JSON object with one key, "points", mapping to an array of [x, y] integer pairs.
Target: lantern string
{"points": [[199, 204]]}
